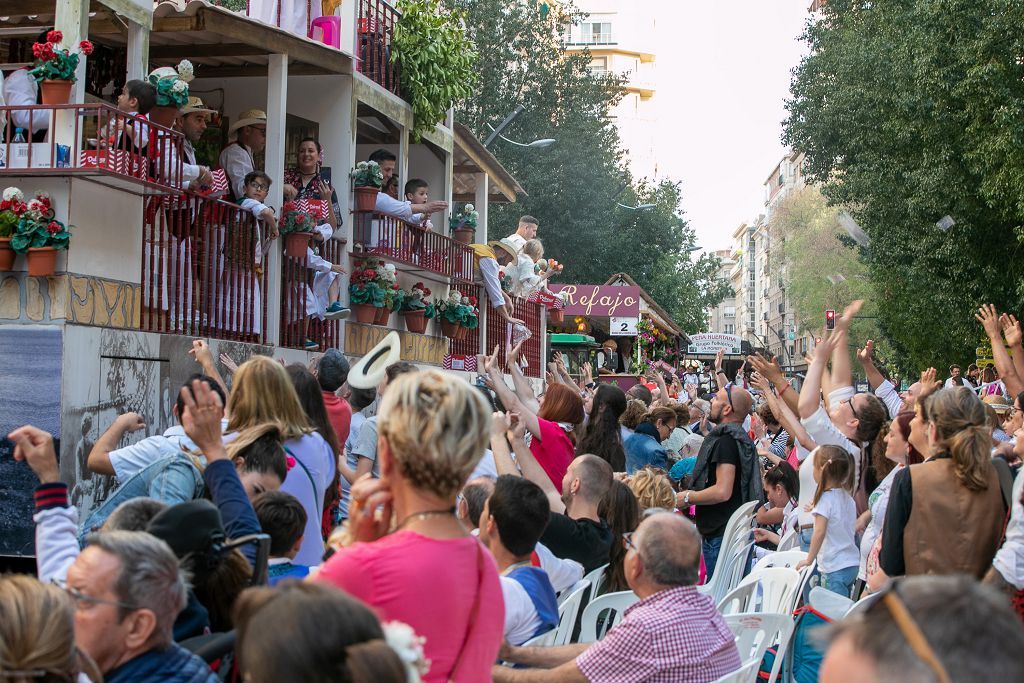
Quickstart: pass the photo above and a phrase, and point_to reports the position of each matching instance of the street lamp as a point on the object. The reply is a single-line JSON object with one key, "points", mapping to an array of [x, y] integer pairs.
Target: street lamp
{"points": [[640, 207], [496, 133], [692, 248]]}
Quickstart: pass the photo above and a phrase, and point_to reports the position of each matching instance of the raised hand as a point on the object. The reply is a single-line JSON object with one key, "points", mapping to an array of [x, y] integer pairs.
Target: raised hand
{"points": [[512, 357], [758, 381], [517, 429], [769, 369], [853, 309], [866, 355], [35, 447], [369, 513], [718, 360], [201, 419], [131, 422], [201, 353], [500, 423], [228, 362], [1011, 329], [989, 319], [929, 384]]}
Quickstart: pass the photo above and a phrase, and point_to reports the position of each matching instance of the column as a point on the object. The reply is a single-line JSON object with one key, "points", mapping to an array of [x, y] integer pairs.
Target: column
{"points": [[277, 111], [482, 182], [71, 19], [138, 51]]}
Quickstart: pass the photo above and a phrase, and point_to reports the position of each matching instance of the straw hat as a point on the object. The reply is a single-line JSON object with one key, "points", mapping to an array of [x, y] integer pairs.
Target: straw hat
{"points": [[249, 117], [195, 105], [1000, 404], [504, 246], [369, 370]]}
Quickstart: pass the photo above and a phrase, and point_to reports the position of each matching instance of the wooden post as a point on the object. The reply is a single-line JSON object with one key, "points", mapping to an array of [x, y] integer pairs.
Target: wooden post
{"points": [[277, 111], [138, 51], [480, 203], [71, 19]]}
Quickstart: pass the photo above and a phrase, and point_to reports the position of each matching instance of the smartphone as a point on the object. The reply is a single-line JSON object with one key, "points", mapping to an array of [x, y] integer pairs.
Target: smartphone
{"points": [[325, 174]]}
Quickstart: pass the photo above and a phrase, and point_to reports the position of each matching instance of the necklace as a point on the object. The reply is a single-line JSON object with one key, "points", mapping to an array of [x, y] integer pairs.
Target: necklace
{"points": [[423, 515]]}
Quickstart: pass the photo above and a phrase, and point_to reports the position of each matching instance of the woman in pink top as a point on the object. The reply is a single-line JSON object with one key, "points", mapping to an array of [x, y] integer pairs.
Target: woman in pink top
{"points": [[430, 572], [552, 422]]}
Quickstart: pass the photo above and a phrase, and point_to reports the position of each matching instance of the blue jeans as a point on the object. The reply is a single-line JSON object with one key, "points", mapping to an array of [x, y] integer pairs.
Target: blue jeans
{"points": [[840, 581], [711, 547], [805, 538]]}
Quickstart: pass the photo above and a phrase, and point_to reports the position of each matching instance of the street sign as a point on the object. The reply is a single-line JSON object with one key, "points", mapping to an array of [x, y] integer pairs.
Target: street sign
{"points": [[711, 342], [623, 327]]}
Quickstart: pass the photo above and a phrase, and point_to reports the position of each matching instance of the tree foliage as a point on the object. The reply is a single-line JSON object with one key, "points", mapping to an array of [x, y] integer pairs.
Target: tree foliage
{"points": [[574, 185], [909, 111]]}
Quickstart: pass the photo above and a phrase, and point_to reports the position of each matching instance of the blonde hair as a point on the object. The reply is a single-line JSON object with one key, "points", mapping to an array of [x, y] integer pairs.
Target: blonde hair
{"points": [[262, 392], [534, 249], [962, 430], [37, 633], [653, 489], [837, 470], [436, 427]]}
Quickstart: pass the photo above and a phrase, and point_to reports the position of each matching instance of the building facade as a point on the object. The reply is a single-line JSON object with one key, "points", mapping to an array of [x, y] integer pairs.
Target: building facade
{"points": [[618, 37], [722, 318]]}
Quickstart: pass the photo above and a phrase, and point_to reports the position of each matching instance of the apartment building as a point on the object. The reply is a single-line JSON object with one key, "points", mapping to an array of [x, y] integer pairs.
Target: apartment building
{"points": [[722, 318]]}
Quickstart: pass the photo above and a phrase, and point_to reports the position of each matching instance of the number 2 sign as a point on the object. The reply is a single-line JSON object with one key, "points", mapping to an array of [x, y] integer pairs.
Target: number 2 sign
{"points": [[623, 327]]}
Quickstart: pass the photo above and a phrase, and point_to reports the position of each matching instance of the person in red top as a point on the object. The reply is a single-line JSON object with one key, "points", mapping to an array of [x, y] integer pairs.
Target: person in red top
{"points": [[331, 371], [552, 422]]}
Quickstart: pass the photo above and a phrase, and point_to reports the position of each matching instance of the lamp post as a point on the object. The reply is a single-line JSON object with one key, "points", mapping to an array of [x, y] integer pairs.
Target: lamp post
{"points": [[639, 207], [496, 133]]}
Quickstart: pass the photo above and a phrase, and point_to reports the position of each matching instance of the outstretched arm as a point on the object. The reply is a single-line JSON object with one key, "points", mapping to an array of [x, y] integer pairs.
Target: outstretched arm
{"points": [[989, 319], [509, 398], [810, 393], [523, 389], [771, 371], [532, 469], [1012, 333], [867, 362], [842, 376]]}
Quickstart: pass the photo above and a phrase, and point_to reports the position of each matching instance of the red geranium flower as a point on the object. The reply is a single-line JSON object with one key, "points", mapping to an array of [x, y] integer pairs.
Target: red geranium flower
{"points": [[395, 286], [54, 37], [86, 47], [426, 292], [472, 300], [53, 228]]}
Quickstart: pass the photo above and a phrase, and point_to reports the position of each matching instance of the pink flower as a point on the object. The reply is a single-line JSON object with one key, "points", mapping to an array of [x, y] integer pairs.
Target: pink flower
{"points": [[86, 47], [54, 37]]}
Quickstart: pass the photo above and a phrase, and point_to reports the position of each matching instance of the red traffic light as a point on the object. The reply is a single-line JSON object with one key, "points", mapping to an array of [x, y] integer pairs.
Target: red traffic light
{"points": [[830, 319]]}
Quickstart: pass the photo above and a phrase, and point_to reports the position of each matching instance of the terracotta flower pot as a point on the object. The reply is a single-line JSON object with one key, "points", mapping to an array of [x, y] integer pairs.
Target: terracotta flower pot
{"points": [[56, 92], [164, 115], [42, 261], [365, 313], [366, 198], [450, 329], [383, 314], [464, 235], [415, 321], [461, 333], [556, 315], [7, 255], [296, 243]]}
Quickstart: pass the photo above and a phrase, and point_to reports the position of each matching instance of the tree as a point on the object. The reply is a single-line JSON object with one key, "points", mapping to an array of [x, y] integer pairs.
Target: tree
{"points": [[573, 186], [907, 112]]}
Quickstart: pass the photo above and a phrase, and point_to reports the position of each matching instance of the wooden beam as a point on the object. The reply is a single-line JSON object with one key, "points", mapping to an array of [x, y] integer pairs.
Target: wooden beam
{"points": [[254, 71], [459, 169], [192, 51], [165, 25]]}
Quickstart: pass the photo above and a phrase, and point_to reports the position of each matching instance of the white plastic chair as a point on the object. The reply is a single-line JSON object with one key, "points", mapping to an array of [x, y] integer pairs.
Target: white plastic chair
{"points": [[781, 558], [777, 587], [790, 541], [613, 605], [568, 610], [595, 579], [564, 595], [739, 599], [736, 534], [745, 674], [755, 633]]}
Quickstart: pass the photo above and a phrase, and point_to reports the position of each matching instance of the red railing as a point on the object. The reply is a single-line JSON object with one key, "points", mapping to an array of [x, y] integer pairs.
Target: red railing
{"points": [[498, 333], [468, 344], [393, 239], [374, 31], [102, 140], [303, 288], [203, 269]]}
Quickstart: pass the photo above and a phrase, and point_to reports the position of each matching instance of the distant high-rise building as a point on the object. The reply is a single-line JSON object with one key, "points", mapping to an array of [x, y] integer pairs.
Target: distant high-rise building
{"points": [[618, 36], [722, 318]]}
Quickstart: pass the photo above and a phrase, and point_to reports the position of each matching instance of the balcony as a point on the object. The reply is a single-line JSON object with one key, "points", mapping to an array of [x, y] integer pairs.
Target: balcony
{"points": [[395, 240], [493, 332], [375, 28], [83, 140]]}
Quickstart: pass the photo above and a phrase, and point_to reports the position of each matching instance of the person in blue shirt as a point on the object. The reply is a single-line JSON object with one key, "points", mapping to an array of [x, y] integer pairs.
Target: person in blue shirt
{"points": [[643, 447], [284, 519]]}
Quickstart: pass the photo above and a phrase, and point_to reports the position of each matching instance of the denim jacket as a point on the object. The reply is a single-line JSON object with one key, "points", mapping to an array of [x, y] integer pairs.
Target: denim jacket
{"points": [[642, 449], [170, 480]]}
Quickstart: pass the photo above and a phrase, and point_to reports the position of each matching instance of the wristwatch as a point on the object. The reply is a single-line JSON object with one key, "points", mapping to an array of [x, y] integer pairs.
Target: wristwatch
{"points": [[686, 497]]}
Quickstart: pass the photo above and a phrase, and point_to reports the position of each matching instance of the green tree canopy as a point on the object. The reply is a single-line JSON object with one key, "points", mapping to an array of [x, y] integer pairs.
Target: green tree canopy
{"points": [[907, 112]]}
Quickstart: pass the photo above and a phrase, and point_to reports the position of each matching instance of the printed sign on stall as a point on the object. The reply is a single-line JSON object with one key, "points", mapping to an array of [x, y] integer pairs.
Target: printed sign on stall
{"points": [[623, 327], [600, 300], [712, 342]]}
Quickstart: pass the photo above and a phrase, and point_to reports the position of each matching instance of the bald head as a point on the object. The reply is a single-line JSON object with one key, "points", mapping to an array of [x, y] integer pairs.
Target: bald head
{"points": [[669, 547], [731, 405], [595, 477]]}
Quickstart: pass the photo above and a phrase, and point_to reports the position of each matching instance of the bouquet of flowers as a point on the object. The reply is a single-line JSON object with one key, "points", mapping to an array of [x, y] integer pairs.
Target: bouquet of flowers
{"points": [[54, 62], [293, 219], [12, 208], [416, 299], [466, 218], [543, 266], [470, 313], [37, 226], [367, 174]]}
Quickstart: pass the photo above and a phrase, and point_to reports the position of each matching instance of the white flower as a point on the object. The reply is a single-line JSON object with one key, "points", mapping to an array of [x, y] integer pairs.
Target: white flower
{"points": [[468, 208], [455, 296], [361, 165], [390, 267], [180, 86], [185, 70], [409, 648], [13, 193], [373, 164]]}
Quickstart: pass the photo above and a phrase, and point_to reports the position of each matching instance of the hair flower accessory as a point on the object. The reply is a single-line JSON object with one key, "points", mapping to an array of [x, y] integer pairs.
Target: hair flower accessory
{"points": [[409, 648], [186, 71]]}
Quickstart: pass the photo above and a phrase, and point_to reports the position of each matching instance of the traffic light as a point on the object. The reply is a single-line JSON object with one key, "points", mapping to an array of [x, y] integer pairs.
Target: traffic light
{"points": [[830, 319]]}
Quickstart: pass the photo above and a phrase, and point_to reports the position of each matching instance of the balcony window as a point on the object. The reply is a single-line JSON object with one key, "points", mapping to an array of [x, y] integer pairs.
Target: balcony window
{"points": [[599, 66]]}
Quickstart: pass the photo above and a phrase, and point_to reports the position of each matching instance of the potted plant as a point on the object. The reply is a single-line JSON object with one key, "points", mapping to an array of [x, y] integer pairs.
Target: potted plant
{"points": [[297, 227], [393, 298], [470, 316], [365, 293], [39, 235], [463, 224], [12, 207], [367, 178], [449, 313], [55, 67], [417, 309]]}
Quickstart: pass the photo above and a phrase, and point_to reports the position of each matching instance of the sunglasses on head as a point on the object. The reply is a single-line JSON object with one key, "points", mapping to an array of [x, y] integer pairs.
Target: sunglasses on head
{"points": [[908, 626]]}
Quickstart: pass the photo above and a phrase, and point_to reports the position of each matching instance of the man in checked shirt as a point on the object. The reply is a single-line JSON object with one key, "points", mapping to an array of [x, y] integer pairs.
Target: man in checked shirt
{"points": [[672, 633]]}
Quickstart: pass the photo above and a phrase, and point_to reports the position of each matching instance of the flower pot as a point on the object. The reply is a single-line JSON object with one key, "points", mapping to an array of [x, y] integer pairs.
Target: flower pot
{"points": [[42, 261], [365, 313], [366, 198], [461, 333], [464, 235], [556, 315], [296, 243], [56, 92], [450, 329], [415, 321], [382, 316], [7, 255], [164, 115]]}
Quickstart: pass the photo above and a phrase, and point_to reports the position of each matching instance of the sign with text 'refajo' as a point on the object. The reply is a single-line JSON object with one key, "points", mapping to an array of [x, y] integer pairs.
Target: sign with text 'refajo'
{"points": [[600, 300], [712, 342]]}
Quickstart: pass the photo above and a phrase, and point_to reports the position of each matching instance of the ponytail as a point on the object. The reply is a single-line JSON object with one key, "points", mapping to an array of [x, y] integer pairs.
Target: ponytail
{"points": [[971, 450], [837, 470], [960, 420], [374, 661]]}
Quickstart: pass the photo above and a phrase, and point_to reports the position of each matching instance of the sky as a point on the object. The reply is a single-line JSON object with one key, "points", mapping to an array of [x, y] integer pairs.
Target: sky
{"points": [[723, 72]]}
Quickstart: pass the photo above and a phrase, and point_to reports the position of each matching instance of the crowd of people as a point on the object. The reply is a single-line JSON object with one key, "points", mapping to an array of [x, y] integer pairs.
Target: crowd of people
{"points": [[401, 524]]}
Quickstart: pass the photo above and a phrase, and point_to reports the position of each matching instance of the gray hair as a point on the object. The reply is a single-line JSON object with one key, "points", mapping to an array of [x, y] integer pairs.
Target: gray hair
{"points": [[134, 514], [970, 627], [150, 577], [669, 547]]}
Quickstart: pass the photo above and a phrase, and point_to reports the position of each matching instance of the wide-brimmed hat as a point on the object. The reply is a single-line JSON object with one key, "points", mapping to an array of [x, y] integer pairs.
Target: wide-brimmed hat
{"points": [[504, 246], [195, 105], [369, 370], [250, 117], [1000, 404]]}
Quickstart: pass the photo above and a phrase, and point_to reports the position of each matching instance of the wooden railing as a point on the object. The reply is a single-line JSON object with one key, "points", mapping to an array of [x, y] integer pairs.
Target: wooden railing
{"points": [[297, 284], [90, 139], [393, 239], [375, 29], [203, 269]]}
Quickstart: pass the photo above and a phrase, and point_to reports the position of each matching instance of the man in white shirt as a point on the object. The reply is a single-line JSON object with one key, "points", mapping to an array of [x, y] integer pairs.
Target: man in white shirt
{"points": [[192, 121], [250, 129], [386, 204], [526, 231], [21, 90], [955, 380]]}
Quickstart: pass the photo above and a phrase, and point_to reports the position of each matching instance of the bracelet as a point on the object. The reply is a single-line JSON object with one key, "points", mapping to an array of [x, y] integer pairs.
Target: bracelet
{"points": [[785, 389]]}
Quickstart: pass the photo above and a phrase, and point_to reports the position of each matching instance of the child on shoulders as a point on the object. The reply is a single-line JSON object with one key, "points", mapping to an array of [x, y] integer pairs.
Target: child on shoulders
{"points": [[283, 518]]}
